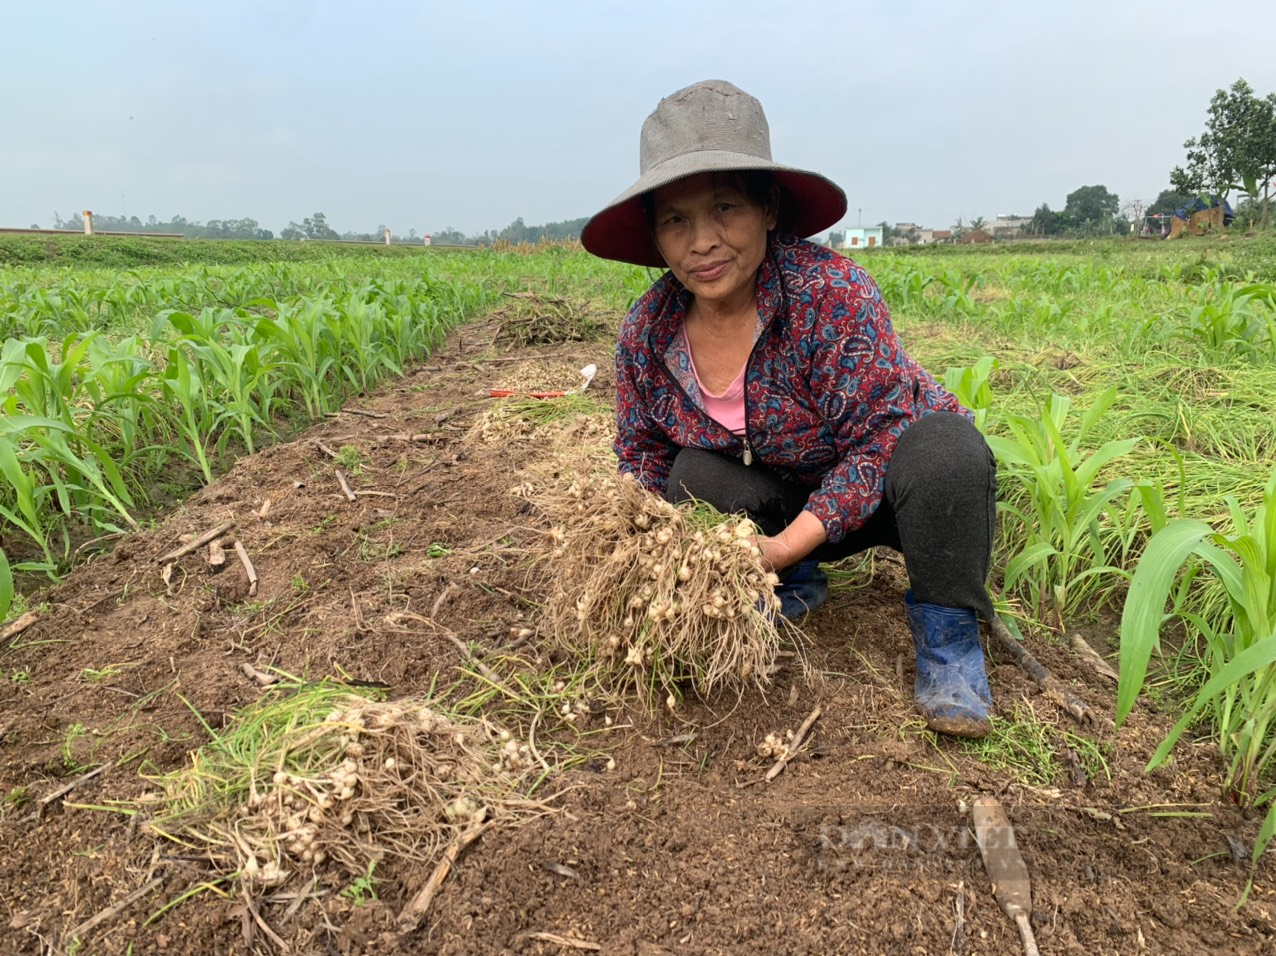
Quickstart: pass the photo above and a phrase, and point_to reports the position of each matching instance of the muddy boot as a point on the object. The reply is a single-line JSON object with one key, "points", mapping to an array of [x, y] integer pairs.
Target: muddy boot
{"points": [[952, 686], [803, 588]]}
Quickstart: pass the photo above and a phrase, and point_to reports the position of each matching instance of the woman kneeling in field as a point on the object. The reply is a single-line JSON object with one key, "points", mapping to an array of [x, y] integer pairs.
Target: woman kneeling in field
{"points": [[761, 374]]}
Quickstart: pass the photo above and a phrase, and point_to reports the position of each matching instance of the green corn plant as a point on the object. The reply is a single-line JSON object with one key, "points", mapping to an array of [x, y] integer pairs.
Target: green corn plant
{"points": [[195, 420], [971, 385], [6, 586], [1224, 322], [238, 388], [117, 379], [1240, 646], [22, 502], [304, 347], [1059, 512], [1240, 656]]}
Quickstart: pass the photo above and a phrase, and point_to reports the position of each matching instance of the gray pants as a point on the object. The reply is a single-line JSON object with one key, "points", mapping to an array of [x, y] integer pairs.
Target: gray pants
{"points": [[938, 511]]}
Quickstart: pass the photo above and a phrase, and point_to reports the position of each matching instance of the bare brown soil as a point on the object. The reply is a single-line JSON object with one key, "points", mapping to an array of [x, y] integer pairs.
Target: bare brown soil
{"points": [[860, 846]]}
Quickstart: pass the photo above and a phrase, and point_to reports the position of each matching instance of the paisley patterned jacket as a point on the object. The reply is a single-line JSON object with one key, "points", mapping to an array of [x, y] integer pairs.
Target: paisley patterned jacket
{"points": [[828, 387]]}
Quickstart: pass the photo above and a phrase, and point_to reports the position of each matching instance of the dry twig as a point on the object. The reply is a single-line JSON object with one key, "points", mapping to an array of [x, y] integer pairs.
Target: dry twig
{"points": [[565, 941], [18, 625], [1051, 686], [261, 677], [79, 931], [412, 914], [959, 927], [345, 485], [1092, 657], [248, 567], [216, 555], [365, 414], [791, 750], [63, 790], [195, 543]]}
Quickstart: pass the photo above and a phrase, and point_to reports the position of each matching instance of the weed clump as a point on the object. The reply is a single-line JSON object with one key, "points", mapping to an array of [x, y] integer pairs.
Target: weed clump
{"points": [[653, 595]]}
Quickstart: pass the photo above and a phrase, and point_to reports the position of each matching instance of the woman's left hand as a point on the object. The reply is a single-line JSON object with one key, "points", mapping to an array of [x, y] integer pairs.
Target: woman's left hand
{"points": [[794, 543]]}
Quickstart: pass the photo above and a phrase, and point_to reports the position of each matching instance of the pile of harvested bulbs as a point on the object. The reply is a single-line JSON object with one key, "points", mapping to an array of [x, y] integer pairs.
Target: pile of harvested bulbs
{"points": [[651, 593], [316, 776]]}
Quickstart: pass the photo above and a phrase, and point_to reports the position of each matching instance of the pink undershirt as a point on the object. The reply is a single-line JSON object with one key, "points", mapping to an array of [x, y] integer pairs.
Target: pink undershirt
{"points": [[726, 409]]}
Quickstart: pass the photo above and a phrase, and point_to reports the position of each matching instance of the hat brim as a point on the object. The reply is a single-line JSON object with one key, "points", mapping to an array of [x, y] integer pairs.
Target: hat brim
{"points": [[620, 231]]}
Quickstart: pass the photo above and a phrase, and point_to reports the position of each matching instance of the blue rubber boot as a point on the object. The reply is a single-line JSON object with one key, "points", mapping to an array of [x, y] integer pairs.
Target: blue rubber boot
{"points": [[802, 589], [952, 685]]}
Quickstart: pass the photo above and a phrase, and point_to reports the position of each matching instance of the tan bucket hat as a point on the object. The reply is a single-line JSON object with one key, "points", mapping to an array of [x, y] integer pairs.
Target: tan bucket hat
{"points": [[711, 126]]}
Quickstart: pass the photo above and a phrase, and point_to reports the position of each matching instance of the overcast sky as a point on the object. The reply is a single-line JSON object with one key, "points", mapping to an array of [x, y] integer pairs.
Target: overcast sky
{"points": [[473, 112]]}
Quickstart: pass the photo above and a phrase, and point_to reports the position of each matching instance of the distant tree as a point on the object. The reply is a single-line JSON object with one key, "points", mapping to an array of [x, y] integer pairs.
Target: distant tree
{"points": [[1237, 149], [978, 222], [888, 232], [316, 227], [35, 225], [837, 239], [449, 237], [1092, 209], [1048, 222], [1167, 201], [291, 232]]}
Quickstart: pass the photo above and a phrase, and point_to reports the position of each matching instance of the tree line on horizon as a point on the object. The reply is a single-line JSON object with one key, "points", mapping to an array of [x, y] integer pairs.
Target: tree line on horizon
{"points": [[316, 227], [1236, 153]]}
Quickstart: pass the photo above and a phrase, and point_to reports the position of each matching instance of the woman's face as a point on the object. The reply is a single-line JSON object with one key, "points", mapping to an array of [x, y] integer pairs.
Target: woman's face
{"points": [[713, 237]]}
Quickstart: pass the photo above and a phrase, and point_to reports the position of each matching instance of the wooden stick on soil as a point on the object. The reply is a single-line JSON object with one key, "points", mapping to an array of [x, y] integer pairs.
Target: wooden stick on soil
{"points": [[365, 414], [791, 750], [1051, 686], [1005, 866], [959, 927], [443, 596], [18, 625], [78, 932], [248, 567], [345, 485], [325, 449], [564, 941], [63, 790], [261, 677], [265, 927], [416, 909], [216, 555], [194, 544], [1092, 657]]}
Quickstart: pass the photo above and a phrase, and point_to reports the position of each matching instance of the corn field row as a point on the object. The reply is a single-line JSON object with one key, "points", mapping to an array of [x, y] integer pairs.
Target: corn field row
{"points": [[91, 420], [1126, 389]]}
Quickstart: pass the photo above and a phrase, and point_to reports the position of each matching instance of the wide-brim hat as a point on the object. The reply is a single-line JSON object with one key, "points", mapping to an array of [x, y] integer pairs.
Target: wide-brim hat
{"points": [[711, 126]]}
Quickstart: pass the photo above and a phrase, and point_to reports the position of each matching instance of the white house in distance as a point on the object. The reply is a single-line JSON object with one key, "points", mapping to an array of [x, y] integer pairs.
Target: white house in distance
{"points": [[861, 237]]}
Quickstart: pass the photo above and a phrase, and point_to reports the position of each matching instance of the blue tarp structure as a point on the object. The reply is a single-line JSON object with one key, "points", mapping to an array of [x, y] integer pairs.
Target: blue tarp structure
{"points": [[1186, 212]]}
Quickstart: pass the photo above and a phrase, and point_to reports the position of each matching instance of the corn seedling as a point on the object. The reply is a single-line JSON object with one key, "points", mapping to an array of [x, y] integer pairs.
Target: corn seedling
{"points": [[1240, 648], [971, 385], [1058, 511]]}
